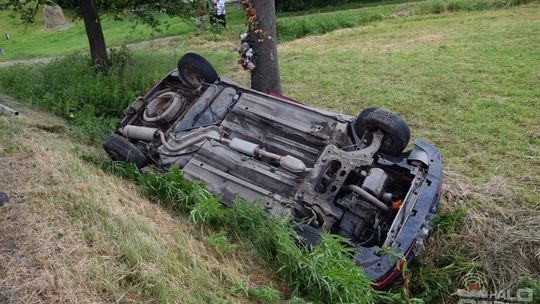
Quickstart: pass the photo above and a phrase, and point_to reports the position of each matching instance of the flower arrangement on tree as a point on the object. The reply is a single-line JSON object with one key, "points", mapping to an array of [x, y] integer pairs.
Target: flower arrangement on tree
{"points": [[254, 34]]}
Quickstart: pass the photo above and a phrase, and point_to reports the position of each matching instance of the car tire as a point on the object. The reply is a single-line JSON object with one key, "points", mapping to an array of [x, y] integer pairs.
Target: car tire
{"points": [[396, 131], [193, 70], [120, 149], [307, 235]]}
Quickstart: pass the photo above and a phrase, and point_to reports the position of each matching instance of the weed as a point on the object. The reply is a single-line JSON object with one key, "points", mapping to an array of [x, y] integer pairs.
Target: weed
{"points": [[258, 294], [264, 294], [221, 243], [73, 89]]}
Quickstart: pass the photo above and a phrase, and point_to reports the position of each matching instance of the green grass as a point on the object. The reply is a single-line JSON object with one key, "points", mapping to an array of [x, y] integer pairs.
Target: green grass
{"points": [[35, 42], [325, 273], [472, 93], [349, 16]]}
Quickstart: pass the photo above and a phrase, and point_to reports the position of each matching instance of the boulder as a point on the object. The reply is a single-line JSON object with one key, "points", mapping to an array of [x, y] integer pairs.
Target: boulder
{"points": [[54, 17]]}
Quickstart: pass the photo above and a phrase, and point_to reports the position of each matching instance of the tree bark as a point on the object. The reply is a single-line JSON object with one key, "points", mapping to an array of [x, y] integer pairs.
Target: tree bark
{"points": [[265, 77], [92, 24]]}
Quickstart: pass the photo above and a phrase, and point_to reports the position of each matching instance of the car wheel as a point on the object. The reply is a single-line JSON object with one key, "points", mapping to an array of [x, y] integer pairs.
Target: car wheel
{"points": [[120, 149], [395, 129], [194, 70], [307, 234]]}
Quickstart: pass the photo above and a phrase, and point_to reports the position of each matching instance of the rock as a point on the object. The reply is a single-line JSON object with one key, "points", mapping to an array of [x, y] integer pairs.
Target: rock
{"points": [[4, 198], [54, 17]]}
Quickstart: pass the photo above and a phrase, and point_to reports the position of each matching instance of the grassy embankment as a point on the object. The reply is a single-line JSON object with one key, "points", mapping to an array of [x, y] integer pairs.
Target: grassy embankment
{"points": [[74, 234], [461, 82]]}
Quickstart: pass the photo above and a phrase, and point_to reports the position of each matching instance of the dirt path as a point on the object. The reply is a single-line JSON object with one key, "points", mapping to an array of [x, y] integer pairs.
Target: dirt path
{"points": [[132, 46]]}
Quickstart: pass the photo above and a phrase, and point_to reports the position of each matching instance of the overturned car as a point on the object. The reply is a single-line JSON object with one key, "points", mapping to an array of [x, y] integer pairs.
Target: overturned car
{"points": [[348, 175]]}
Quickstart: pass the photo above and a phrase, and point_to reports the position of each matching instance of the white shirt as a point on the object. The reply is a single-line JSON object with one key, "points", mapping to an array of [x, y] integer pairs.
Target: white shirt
{"points": [[220, 7]]}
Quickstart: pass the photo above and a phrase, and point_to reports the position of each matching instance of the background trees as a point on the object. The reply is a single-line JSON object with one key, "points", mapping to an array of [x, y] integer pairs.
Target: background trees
{"points": [[264, 78]]}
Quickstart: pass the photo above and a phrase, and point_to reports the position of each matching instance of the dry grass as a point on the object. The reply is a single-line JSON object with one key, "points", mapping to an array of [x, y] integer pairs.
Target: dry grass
{"points": [[74, 234], [500, 233]]}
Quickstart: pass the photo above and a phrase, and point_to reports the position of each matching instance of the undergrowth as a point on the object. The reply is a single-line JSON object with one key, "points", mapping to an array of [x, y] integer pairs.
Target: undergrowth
{"points": [[72, 88], [323, 273]]}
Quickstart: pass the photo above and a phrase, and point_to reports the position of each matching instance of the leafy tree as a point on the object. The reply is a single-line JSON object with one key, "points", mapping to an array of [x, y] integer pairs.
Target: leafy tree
{"points": [[143, 11]]}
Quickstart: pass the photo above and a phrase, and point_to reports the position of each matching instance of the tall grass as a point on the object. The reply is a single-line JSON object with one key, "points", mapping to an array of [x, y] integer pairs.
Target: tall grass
{"points": [[324, 273], [70, 87]]}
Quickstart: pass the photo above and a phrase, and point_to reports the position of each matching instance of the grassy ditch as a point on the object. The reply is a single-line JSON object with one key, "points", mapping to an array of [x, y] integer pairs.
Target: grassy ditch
{"points": [[72, 233], [324, 273]]}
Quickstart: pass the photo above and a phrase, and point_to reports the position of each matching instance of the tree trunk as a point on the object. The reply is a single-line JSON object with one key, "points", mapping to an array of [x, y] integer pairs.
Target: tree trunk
{"points": [[265, 77], [98, 50]]}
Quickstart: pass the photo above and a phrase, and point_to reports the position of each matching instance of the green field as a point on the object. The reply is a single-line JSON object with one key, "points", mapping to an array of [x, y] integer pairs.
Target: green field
{"points": [[34, 41], [466, 81]]}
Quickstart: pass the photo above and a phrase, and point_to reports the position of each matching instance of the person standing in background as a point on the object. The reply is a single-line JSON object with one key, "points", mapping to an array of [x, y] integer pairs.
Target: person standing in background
{"points": [[200, 15], [220, 13]]}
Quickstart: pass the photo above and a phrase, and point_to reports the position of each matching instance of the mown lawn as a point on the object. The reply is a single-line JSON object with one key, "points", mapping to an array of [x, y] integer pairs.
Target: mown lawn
{"points": [[34, 41]]}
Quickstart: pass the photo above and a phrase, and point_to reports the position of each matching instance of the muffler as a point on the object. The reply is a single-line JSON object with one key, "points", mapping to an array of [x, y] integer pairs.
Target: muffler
{"points": [[140, 133]]}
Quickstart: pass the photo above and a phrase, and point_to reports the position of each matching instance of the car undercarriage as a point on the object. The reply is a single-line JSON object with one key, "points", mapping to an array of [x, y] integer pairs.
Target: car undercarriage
{"points": [[348, 175]]}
